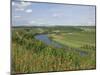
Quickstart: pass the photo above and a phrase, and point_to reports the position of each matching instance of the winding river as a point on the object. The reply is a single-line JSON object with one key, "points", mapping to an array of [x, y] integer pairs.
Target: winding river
{"points": [[48, 41]]}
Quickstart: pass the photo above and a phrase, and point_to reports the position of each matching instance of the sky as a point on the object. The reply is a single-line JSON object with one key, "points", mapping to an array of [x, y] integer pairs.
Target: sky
{"points": [[50, 14]]}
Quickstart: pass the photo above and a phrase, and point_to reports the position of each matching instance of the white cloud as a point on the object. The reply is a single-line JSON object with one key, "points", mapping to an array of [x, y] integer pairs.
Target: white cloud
{"points": [[56, 15], [17, 16], [25, 4], [21, 4], [13, 3], [28, 11], [90, 23], [19, 9], [32, 22]]}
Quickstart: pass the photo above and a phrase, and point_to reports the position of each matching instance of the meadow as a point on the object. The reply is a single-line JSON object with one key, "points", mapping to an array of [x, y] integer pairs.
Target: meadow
{"points": [[30, 55]]}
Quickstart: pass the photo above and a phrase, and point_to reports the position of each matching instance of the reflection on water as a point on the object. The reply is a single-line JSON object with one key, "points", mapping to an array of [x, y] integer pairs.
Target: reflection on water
{"points": [[48, 41]]}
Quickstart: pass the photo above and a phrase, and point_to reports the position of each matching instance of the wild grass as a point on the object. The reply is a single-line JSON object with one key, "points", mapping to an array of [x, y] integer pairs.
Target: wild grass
{"points": [[30, 55], [75, 39]]}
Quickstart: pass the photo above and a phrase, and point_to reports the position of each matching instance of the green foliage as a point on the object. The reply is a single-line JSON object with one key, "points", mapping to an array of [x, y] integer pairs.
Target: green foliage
{"points": [[30, 55]]}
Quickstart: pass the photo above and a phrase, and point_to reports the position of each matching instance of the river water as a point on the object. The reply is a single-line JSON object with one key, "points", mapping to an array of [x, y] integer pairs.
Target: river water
{"points": [[44, 38], [47, 40]]}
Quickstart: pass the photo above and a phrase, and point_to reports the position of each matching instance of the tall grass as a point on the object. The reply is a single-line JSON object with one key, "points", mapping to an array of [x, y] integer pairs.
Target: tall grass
{"points": [[30, 55]]}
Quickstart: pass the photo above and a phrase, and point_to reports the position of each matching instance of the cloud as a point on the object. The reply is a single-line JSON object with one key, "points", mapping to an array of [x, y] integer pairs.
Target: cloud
{"points": [[28, 11], [13, 3], [91, 23], [21, 4], [24, 4], [17, 16], [32, 22], [19, 9], [56, 15]]}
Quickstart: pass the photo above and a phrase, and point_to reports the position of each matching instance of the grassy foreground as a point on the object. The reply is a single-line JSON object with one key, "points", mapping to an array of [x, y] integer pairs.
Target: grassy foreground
{"points": [[30, 55]]}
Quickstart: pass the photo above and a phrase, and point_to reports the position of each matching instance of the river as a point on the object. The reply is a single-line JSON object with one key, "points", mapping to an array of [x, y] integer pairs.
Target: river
{"points": [[47, 40], [44, 38]]}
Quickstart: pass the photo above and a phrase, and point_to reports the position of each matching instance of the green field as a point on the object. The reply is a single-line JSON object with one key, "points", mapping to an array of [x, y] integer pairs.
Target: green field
{"points": [[75, 39], [30, 55]]}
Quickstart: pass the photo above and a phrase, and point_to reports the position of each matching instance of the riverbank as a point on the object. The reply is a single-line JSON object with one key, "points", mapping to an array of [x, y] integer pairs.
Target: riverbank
{"points": [[30, 55]]}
